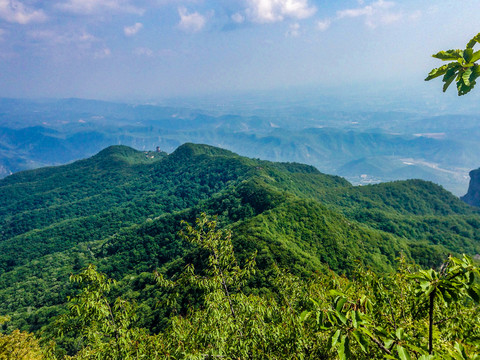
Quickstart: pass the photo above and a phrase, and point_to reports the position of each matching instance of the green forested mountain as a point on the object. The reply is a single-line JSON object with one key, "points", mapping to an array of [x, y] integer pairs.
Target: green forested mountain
{"points": [[121, 210]]}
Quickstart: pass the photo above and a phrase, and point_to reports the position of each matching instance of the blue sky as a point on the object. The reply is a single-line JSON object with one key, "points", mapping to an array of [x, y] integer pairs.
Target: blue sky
{"points": [[146, 49]]}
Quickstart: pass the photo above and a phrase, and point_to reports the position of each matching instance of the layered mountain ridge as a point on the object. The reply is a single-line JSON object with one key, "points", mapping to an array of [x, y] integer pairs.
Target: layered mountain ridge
{"points": [[364, 147]]}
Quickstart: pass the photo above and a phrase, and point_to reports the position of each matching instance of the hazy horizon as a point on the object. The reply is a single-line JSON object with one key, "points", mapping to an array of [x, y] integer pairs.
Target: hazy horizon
{"points": [[136, 51]]}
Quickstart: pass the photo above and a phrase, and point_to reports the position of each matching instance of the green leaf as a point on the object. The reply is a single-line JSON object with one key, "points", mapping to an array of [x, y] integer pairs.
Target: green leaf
{"points": [[354, 319], [304, 315], [476, 71], [466, 76], [475, 56], [450, 75], [448, 81], [335, 338], [361, 340], [420, 350], [467, 55], [448, 55], [381, 331], [334, 292], [366, 332], [437, 72], [470, 275], [360, 318], [320, 318], [389, 343], [341, 317], [474, 40], [344, 348], [425, 285], [462, 88], [399, 333], [403, 353], [459, 352], [474, 293], [340, 303]]}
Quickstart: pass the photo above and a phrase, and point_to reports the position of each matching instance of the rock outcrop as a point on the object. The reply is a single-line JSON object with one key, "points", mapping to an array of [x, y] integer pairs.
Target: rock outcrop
{"points": [[472, 197]]}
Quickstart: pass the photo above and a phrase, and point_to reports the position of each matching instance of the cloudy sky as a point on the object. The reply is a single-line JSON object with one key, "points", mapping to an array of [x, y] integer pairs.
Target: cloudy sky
{"points": [[134, 49]]}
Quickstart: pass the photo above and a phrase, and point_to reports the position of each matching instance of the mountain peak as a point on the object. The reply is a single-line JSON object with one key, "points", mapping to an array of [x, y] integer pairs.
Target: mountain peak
{"points": [[113, 149], [117, 151], [188, 150], [118, 154]]}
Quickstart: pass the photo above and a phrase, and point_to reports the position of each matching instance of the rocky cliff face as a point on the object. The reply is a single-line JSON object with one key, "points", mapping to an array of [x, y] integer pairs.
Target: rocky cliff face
{"points": [[472, 197]]}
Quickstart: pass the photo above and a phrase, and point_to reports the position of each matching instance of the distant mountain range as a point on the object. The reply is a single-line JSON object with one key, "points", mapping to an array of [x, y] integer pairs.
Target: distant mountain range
{"points": [[363, 147]]}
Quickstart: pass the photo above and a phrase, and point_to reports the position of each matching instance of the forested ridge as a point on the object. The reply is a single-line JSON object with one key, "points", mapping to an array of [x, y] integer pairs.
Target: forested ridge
{"points": [[122, 209]]}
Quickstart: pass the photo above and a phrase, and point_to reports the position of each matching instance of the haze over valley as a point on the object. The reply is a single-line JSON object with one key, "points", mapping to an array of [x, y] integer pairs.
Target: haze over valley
{"points": [[364, 146]]}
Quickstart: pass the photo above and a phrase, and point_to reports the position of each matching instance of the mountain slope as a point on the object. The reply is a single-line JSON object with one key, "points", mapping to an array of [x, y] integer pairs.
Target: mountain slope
{"points": [[121, 209]]}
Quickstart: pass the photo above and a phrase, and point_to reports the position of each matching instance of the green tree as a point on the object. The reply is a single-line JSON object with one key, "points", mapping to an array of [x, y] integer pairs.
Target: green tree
{"points": [[454, 282], [228, 323], [104, 329], [408, 314], [463, 67], [19, 345]]}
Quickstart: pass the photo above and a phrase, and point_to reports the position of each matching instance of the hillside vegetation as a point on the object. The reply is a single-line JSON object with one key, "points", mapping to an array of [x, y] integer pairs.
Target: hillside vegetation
{"points": [[121, 210]]}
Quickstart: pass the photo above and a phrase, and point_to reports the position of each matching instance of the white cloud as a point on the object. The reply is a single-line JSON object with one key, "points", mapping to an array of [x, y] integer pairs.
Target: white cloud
{"points": [[84, 37], [102, 53], [368, 10], [415, 15], [53, 37], [16, 12], [191, 22], [268, 11], [87, 7], [46, 35], [293, 30], [143, 51], [323, 25], [238, 18], [374, 14], [167, 53], [81, 43], [390, 18], [132, 30]]}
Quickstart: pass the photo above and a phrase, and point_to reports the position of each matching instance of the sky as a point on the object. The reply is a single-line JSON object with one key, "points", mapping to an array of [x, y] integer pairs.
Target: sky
{"points": [[152, 49]]}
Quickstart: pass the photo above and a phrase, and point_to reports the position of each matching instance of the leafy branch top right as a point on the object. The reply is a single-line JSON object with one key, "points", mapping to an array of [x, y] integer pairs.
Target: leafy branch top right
{"points": [[462, 68]]}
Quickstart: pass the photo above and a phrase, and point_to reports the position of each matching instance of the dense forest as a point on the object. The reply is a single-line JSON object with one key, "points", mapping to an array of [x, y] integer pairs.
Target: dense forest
{"points": [[206, 254]]}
